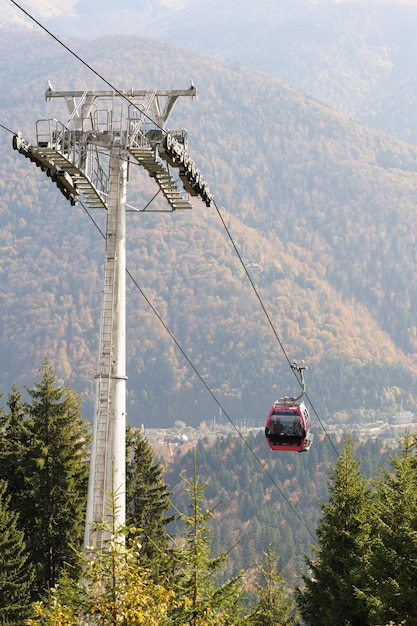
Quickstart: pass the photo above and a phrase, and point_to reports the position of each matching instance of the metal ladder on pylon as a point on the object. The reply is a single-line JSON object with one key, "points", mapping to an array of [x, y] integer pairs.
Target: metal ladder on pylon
{"points": [[105, 370]]}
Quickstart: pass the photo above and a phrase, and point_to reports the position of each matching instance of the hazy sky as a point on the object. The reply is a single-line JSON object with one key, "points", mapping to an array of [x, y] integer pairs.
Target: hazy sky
{"points": [[382, 1], [49, 8]]}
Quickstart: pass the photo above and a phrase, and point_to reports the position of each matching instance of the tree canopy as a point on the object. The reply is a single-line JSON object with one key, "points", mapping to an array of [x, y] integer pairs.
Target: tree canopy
{"points": [[43, 457]]}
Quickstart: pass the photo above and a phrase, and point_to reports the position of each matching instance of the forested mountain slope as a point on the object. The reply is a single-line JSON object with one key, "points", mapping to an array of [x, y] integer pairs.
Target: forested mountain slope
{"points": [[325, 207], [262, 497]]}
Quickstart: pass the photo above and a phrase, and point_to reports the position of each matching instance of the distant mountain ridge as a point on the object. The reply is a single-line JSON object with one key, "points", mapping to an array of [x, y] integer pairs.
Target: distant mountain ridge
{"points": [[356, 57]]}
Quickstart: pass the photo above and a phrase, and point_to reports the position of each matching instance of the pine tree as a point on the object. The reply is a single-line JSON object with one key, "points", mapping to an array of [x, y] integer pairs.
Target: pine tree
{"points": [[202, 602], [16, 441], [15, 571], [58, 476], [147, 498], [43, 458], [339, 569], [275, 606], [392, 592]]}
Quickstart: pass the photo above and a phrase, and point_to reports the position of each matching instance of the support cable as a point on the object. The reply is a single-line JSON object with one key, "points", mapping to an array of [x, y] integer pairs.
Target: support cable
{"points": [[268, 317], [8, 129], [262, 306], [208, 389], [60, 42], [199, 376], [87, 65]]}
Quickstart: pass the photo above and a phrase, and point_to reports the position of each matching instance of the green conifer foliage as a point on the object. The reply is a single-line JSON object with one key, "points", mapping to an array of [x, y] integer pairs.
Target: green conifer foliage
{"points": [[58, 477], [147, 498], [16, 442], [275, 606], [43, 457], [340, 566], [15, 571], [392, 592], [202, 602]]}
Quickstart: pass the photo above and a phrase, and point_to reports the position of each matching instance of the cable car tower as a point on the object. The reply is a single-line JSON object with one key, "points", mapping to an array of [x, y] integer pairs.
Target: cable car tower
{"points": [[88, 156]]}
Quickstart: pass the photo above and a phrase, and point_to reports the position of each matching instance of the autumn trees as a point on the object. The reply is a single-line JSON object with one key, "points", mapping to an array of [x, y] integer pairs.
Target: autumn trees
{"points": [[116, 589]]}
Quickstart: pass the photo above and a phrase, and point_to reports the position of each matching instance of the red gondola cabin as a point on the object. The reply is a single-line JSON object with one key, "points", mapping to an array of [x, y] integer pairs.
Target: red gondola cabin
{"points": [[288, 424], [287, 428]]}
